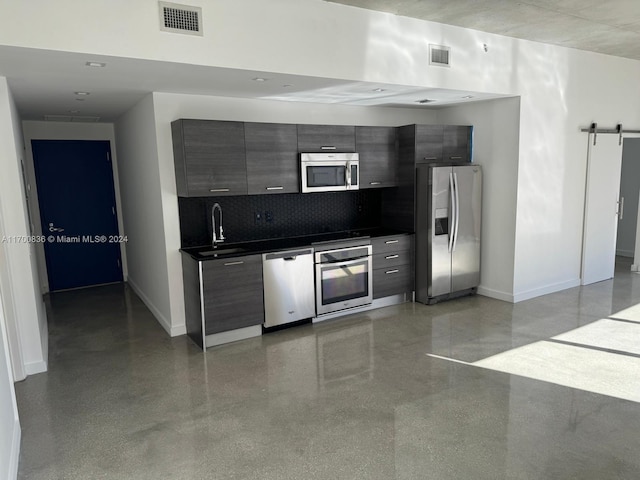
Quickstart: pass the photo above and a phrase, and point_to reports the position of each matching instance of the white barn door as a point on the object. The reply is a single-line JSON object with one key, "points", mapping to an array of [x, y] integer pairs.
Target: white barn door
{"points": [[604, 163]]}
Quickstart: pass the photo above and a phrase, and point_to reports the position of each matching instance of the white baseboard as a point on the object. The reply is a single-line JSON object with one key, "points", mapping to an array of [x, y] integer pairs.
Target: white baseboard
{"points": [[497, 294], [35, 367], [538, 292], [162, 320], [14, 454], [529, 294]]}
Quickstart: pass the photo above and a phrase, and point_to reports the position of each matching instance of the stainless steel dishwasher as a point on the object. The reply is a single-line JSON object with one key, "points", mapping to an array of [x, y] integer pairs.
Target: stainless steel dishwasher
{"points": [[289, 293]]}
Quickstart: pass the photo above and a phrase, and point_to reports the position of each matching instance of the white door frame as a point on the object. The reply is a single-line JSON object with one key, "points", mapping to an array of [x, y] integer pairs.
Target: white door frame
{"points": [[6, 302]]}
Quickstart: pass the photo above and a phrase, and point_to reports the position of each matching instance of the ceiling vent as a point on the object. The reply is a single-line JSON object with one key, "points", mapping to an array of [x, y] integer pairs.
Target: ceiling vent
{"points": [[439, 55], [180, 18], [71, 118], [426, 100]]}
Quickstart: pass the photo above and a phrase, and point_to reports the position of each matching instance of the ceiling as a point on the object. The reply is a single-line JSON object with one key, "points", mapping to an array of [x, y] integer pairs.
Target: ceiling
{"points": [[44, 83], [611, 27]]}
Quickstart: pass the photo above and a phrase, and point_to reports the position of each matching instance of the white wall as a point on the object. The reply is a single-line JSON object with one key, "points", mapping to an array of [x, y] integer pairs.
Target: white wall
{"points": [[629, 189], [170, 107], [65, 131], [561, 89], [19, 276], [308, 37], [495, 147], [552, 163], [10, 432], [141, 195]]}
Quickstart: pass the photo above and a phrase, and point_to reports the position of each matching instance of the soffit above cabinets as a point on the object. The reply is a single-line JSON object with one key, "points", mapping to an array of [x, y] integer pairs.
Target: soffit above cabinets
{"points": [[46, 83]]}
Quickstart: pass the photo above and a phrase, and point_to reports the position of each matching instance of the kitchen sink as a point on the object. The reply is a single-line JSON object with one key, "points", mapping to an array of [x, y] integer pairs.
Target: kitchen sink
{"points": [[221, 251]]}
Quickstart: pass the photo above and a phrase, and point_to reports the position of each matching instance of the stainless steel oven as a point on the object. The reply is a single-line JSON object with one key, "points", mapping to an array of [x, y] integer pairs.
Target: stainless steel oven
{"points": [[343, 278]]}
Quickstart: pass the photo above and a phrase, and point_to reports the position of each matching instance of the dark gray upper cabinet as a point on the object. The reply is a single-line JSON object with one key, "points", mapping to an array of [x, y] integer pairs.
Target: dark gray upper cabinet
{"points": [[377, 147], [456, 143], [272, 158], [435, 143], [209, 158], [326, 138], [428, 143], [421, 144]]}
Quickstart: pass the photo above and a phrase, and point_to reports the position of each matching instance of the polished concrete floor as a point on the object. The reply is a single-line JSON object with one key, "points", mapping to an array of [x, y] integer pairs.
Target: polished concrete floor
{"points": [[392, 394]]}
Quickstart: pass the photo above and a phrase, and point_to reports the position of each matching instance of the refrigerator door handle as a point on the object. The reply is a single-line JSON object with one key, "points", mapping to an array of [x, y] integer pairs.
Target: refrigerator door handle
{"points": [[452, 214], [457, 211]]}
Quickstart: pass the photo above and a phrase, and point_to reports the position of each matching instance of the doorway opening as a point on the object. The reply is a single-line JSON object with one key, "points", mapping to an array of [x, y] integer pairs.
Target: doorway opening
{"points": [[629, 195], [76, 198]]}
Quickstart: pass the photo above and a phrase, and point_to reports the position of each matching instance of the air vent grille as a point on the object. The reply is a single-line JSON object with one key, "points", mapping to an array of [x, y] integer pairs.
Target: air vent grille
{"points": [[180, 18], [71, 118], [439, 55]]}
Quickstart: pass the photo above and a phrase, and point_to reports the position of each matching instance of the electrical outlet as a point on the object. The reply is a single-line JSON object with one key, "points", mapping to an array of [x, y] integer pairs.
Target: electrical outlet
{"points": [[257, 218], [268, 216]]}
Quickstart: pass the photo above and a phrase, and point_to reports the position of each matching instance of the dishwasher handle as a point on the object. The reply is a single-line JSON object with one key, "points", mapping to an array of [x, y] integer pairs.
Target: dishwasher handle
{"points": [[289, 255]]}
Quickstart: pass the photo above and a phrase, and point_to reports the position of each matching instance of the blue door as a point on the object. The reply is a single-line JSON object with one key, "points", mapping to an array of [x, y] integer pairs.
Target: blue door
{"points": [[77, 212]]}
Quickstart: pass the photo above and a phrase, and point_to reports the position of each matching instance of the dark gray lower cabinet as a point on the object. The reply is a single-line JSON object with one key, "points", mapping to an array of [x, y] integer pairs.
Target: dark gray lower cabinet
{"points": [[232, 295], [393, 265]]}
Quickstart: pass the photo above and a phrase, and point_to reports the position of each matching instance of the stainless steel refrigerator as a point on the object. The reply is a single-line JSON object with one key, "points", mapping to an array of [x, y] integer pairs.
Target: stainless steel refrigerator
{"points": [[448, 221]]}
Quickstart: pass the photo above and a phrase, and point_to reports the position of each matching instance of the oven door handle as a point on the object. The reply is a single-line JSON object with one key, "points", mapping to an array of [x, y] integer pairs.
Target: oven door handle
{"points": [[345, 263]]}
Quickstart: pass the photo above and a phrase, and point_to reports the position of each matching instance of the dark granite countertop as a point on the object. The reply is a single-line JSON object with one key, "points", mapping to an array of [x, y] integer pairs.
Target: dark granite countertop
{"points": [[229, 250]]}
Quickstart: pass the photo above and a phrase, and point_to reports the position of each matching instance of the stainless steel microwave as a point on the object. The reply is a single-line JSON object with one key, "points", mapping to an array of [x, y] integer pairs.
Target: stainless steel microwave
{"points": [[329, 172]]}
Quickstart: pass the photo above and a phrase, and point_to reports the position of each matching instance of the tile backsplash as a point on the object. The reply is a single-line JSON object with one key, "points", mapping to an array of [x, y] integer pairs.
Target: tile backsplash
{"points": [[261, 217]]}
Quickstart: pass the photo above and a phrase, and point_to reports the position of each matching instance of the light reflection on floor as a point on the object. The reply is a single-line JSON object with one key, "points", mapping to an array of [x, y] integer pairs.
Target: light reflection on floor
{"points": [[601, 357]]}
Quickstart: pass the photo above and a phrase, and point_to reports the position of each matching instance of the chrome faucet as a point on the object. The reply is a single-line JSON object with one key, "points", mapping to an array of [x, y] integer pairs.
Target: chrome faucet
{"points": [[214, 238]]}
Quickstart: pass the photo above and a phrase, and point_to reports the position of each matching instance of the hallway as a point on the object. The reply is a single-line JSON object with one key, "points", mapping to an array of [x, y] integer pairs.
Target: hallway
{"points": [[367, 396]]}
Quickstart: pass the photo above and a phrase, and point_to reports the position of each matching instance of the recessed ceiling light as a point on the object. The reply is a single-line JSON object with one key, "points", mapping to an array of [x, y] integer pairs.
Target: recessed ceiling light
{"points": [[96, 64], [83, 94], [426, 100], [287, 85], [468, 96], [378, 90], [259, 79]]}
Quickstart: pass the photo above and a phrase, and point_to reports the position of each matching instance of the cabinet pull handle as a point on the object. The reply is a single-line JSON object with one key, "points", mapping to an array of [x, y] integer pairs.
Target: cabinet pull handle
{"points": [[430, 158], [389, 242], [275, 188], [389, 272], [375, 183], [219, 190], [389, 257], [328, 147], [228, 264], [455, 158]]}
